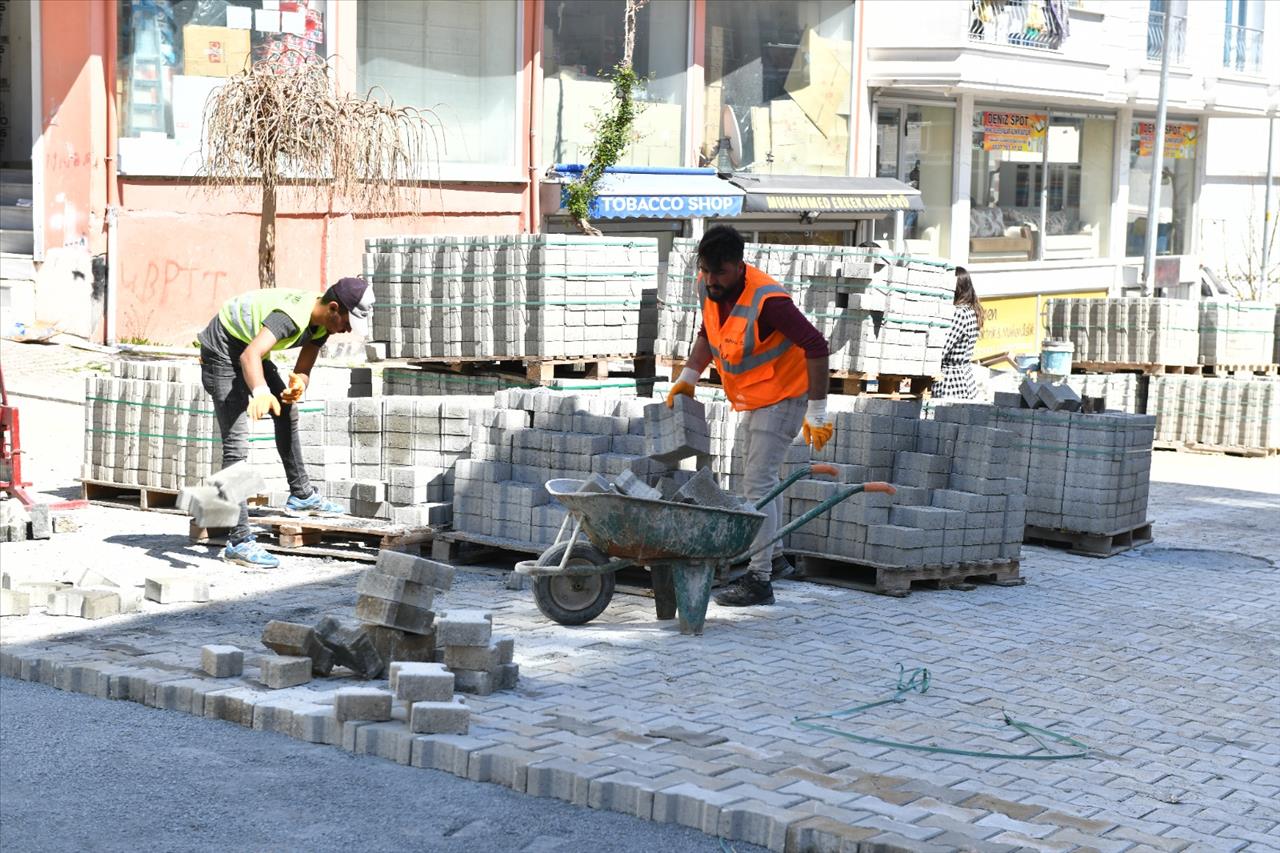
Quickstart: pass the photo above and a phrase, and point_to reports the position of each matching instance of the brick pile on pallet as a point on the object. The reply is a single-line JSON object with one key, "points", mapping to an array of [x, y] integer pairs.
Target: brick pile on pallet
{"points": [[958, 499], [1120, 390], [1242, 414], [531, 436], [1237, 333], [527, 296], [878, 317], [1132, 330], [1088, 473]]}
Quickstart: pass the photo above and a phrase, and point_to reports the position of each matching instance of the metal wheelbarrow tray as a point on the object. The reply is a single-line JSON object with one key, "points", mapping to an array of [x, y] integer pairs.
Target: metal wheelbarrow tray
{"points": [[682, 545]]}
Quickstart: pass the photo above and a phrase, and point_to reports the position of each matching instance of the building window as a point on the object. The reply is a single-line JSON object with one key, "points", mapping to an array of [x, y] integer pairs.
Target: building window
{"points": [[1176, 11], [1011, 215], [1242, 39], [173, 56], [778, 86], [459, 60], [913, 144], [1177, 185], [582, 42]]}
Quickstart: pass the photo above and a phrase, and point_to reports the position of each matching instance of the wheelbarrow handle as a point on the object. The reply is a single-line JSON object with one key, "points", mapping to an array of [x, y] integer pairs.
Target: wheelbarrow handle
{"points": [[799, 474], [838, 497]]}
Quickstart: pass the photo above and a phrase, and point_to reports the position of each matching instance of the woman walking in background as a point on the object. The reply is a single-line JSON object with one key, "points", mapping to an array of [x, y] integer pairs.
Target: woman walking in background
{"points": [[957, 356]]}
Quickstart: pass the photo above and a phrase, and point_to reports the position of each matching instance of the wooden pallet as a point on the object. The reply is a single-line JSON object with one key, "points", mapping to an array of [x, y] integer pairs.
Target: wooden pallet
{"points": [[1090, 544], [1217, 449], [1230, 369], [341, 537], [1133, 367], [539, 371], [887, 385], [899, 581], [151, 498]]}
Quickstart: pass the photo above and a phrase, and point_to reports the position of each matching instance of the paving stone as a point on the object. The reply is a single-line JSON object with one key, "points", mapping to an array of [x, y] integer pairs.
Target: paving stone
{"points": [[563, 779], [293, 639], [449, 717], [173, 589], [393, 614], [285, 671], [14, 603], [375, 584], [826, 835], [351, 645], [473, 681], [464, 628], [222, 661], [758, 823], [390, 740], [622, 792], [419, 570], [392, 644], [690, 805], [486, 658], [423, 682], [505, 765], [362, 703], [450, 753]]}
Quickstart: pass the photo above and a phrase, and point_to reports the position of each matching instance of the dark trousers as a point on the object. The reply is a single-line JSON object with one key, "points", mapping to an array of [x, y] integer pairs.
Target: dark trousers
{"points": [[225, 383]]}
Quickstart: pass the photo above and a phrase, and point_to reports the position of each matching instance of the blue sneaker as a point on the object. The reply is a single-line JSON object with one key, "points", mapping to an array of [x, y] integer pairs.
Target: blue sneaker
{"points": [[314, 505], [250, 553]]}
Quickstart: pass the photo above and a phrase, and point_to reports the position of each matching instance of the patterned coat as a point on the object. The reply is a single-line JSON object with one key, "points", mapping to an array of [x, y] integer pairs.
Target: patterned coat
{"points": [[957, 357]]}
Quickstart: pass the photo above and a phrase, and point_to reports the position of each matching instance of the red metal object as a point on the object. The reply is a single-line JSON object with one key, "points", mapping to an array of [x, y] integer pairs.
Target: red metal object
{"points": [[11, 456]]}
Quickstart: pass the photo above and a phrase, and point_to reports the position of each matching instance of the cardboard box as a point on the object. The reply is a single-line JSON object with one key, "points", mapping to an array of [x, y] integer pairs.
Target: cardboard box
{"points": [[214, 51]]}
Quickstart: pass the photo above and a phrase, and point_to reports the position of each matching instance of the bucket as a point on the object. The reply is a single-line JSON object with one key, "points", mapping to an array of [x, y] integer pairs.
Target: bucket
{"points": [[1055, 357]]}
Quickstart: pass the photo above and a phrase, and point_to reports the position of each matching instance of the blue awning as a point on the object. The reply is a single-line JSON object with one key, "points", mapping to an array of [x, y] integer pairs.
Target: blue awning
{"points": [[640, 192]]}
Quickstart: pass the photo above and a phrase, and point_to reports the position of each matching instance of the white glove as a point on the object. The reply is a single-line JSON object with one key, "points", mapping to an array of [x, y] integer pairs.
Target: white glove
{"points": [[688, 376], [816, 413]]}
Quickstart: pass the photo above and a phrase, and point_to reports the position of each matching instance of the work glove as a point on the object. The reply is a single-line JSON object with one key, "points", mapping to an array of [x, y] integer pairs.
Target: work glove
{"points": [[684, 385], [263, 401], [297, 387], [817, 430]]}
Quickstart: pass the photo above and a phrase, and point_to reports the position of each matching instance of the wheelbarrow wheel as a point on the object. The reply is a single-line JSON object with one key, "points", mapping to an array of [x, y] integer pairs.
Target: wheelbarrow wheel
{"points": [[573, 599]]}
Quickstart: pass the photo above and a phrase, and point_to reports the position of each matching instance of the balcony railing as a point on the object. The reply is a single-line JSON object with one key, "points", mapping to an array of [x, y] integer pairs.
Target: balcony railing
{"points": [[1021, 23], [1155, 36], [1242, 48]]}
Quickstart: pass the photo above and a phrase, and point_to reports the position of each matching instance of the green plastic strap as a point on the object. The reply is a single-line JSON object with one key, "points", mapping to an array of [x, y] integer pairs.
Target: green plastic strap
{"points": [[918, 681], [305, 408], [160, 435]]}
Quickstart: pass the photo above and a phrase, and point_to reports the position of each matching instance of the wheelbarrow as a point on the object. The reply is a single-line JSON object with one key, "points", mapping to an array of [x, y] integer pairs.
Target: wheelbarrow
{"points": [[682, 545]]}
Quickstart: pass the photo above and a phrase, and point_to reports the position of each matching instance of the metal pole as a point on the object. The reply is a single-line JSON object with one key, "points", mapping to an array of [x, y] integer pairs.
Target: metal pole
{"points": [[1265, 289], [1157, 160]]}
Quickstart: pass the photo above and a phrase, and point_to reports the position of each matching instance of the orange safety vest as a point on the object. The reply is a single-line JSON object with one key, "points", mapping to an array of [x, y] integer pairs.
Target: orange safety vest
{"points": [[755, 373]]}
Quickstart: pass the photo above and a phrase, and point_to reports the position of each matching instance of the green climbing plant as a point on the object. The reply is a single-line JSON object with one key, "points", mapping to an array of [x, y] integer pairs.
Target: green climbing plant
{"points": [[613, 135], [613, 131]]}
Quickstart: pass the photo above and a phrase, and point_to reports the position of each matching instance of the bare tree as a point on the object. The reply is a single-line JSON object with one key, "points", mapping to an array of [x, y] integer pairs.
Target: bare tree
{"points": [[1243, 262], [282, 121]]}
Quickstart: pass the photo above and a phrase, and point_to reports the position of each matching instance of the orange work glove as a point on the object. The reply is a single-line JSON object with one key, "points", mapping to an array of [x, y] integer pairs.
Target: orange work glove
{"points": [[817, 430], [684, 385], [263, 401], [298, 383]]}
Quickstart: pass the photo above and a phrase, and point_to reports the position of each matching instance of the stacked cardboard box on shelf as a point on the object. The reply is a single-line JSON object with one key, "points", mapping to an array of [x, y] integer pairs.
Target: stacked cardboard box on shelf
{"points": [[518, 297], [1237, 333], [878, 317], [1132, 330], [1235, 413]]}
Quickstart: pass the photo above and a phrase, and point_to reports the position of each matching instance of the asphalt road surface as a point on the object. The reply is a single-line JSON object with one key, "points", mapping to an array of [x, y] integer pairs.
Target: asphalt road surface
{"points": [[79, 773]]}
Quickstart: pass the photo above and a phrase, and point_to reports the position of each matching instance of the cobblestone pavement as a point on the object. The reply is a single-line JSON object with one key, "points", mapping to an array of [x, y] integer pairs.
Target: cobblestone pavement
{"points": [[1164, 660]]}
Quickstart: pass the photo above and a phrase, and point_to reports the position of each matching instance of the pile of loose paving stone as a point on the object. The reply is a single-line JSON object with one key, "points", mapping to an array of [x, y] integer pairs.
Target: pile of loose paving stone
{"points": [[1130, 330], [92, 593], [877, 316], [1237, 333], [512, 297], [1217, 412]]}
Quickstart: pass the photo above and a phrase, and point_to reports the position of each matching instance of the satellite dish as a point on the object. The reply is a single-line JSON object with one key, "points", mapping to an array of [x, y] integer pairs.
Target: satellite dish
{"points": [[730, 136]]}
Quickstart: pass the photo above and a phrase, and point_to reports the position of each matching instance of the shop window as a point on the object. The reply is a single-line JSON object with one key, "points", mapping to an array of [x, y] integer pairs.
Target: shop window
{"points": [[913, 144], [1011, 216], [458, 60], [1177, 185], [778, 86], [582, 42], [173, 55]]}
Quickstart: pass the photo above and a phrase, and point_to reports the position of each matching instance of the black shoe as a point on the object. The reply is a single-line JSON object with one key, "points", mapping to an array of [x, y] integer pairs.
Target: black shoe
{"points": [[782, 569], [745, 592]]}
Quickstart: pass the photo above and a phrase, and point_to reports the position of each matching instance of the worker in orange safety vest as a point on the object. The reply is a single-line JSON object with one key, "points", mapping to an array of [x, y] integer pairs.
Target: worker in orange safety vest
{"points": [[773, 365]]}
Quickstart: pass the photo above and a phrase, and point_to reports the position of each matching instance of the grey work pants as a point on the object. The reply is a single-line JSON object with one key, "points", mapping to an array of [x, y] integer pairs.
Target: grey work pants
{"points": [[769, 432], [225, 383]]}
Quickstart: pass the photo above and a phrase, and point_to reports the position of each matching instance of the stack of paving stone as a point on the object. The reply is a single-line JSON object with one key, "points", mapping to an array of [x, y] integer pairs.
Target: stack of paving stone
{"points": [[526, 296], [877, 317], [84, 593], [479, 663], [1229, 413], [1087, 473], [1132, 330], [535, 435], [1237, 333], [1121, 390], [151, 423], [958, 499]]}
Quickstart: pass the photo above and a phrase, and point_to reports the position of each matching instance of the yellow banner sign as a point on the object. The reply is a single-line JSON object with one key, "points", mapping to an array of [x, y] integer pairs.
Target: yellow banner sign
{"points": [[1012, 324], [1014, 131], [867, 203], [1179, 140]]}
